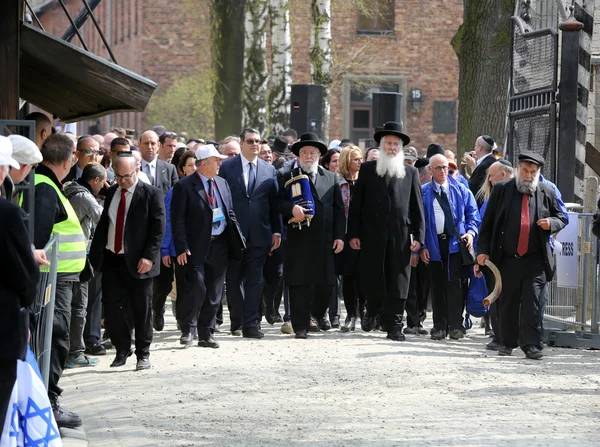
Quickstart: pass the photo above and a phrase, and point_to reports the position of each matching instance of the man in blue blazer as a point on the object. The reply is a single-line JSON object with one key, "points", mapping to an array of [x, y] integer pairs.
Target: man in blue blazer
{"points": [[204, 231], [253, 184]]}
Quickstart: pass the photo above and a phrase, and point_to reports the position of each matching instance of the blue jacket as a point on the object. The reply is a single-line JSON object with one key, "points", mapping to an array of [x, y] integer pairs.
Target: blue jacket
{"points": [[168, 247], [464, 209]]}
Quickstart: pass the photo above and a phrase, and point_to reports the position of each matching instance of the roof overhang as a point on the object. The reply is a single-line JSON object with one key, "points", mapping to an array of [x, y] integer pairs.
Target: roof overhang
{"points": [[74, 84]]}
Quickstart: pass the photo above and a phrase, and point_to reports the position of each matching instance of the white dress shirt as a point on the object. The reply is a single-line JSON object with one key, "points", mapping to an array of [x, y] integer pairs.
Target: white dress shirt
{"points": [[149, 168], [112, 216], [246, 169], [440, 219]]}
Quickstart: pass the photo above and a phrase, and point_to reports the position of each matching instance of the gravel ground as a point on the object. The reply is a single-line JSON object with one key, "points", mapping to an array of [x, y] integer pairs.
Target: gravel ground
{"points": [[337, 389]]}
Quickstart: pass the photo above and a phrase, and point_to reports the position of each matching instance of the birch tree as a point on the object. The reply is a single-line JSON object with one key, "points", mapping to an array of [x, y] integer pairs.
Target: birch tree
{"points": [[281, 67], [320, 55], [254, 89]]}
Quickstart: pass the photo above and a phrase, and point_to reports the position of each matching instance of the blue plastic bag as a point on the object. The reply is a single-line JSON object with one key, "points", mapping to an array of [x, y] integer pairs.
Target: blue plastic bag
{"points": [[477, 292]]}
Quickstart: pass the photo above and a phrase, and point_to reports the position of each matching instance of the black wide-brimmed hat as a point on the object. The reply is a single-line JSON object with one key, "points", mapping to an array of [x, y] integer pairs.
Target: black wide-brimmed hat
{"points": [[280, 145], [309, 139], [392, 128]]}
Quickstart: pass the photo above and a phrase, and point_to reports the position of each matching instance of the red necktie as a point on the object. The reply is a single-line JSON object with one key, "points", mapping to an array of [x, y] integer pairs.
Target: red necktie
{"points": [[524, 233], [120, 222]]}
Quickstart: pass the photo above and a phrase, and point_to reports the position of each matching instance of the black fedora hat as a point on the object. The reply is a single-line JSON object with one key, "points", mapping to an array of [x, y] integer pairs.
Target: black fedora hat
{"points": [[392, 128], [309, 139], [280, 145]]}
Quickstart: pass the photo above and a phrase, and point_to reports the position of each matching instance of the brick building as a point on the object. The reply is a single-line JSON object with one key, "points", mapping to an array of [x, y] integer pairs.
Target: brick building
{"points": [[404, 49]]}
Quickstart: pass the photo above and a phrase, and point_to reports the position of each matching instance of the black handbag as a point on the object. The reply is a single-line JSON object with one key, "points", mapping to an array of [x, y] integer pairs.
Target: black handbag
{"points": [[467, 255]]}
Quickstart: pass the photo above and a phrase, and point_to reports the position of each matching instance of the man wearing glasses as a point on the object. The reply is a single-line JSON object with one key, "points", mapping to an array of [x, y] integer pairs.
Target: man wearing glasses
{"points": [[253, 184], [451, 215], [88, 151]]}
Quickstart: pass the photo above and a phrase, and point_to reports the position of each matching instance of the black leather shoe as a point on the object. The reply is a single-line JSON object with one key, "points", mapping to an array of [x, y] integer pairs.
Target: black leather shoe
{"points": [[270, 319], [252, 332], [302, 334], [277, 318], [335, 323], [504, 351], [121, 358], [422, 331], [494, 346], [324, 324], [236, 332], [396, 335], [186, 339], [210, 343], [533, 353], [313, 326], [158, 321], [349, 325], [367, 323], [438, 334], [410, 330], [98, 349], [64, 418], [142, 363]]}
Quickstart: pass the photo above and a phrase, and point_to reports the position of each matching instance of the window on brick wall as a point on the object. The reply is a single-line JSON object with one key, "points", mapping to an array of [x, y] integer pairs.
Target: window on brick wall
{"points": [[361, 108], [376, 17]]}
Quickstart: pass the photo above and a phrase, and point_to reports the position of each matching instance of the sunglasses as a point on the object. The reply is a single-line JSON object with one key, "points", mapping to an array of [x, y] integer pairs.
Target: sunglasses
{"points": [[89, 152], [250, 141]]}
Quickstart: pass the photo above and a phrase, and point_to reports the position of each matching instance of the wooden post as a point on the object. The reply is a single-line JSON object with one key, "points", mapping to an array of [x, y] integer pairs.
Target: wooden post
{"points": [[10, 41]]}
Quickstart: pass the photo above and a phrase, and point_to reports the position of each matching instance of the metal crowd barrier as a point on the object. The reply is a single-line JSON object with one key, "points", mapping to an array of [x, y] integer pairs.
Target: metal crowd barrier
{"points": [[43, 310], [579, 307]]}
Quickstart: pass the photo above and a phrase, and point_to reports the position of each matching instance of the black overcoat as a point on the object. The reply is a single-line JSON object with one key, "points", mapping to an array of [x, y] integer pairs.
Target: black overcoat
{"points": [[309, 255], [384, 212]]}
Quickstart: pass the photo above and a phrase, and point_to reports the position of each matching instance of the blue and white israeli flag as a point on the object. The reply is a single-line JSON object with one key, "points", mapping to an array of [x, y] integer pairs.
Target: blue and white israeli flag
{"points": [[29, 418]]}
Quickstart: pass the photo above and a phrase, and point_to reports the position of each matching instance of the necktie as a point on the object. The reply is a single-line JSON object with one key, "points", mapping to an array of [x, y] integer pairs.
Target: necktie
{"points": [[449, 225], [524, 233], [120, 222], [251, 178], [213, 202]]}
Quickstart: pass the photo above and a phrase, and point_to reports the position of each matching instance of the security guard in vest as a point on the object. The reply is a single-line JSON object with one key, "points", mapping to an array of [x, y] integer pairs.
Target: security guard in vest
{"points": [[53, 214]]}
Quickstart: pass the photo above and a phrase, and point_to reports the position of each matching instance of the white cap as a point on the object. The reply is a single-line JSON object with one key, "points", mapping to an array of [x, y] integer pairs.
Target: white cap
{"points": [[24, 150], [6, 153], [207, 151], [334, 144]]}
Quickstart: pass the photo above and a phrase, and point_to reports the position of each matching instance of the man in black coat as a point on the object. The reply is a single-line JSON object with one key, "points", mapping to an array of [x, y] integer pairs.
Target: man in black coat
{"points": [[204, 228], [18, 284], [386, 223], [520, 216], [309, 269], [484, 146], [126, 248]]}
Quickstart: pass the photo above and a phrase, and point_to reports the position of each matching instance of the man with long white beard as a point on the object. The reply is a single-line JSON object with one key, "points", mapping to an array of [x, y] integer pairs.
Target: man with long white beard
{"points": [[520, 216], [309, 269], [386, 223]]}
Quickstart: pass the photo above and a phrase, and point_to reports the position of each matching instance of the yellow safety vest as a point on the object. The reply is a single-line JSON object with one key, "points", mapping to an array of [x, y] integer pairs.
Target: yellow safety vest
{"points": [[71, 242]]}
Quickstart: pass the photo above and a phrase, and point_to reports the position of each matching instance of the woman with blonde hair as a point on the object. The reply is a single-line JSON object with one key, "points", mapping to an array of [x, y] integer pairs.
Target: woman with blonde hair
{"points": [[349, 164]]}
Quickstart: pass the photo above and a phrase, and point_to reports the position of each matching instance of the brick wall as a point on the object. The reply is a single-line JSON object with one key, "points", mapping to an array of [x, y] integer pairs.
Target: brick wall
{"points": [[160, 38]]}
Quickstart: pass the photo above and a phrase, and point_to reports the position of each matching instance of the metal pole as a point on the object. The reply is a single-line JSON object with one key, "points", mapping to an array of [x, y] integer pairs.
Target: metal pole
{"points": [[62, 3], [112, 56], [49, 310], [567, 137], [80, 20]]}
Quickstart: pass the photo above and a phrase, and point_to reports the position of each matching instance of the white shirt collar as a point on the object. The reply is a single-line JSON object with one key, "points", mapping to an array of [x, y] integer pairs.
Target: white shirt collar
{"points": [[483, 158], [246, 162], [151, 163], [131, 189], [445, 185]]}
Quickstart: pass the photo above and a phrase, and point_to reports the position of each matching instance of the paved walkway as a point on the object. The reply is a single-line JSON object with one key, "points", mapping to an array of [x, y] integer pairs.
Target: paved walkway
{"points": [[338, 389]]}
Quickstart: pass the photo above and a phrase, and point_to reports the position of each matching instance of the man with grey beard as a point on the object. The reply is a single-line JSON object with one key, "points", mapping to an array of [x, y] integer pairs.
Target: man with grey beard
{"points": [[521, 215], [386, 223]]}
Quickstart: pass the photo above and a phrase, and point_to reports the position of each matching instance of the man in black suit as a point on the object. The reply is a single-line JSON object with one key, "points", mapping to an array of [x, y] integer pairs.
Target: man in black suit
{"points": [[203, 225], [88, 151], [386, 223], [162, 175], [253, 184], [126, 248], [309, 269], [484, 146], [521, 215]]}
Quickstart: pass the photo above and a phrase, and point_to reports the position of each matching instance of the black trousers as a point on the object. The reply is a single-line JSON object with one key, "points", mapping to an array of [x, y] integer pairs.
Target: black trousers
{"points": [[354, 299], [245, 287], [92, 334], [199, 290], [519, 304], [8, 376], [273, 281], [120, 290], [493, 312], [448, 303], [306, 300], [412, 301], [61, 341], [334, 301], [162, 286], [423, 287]]}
